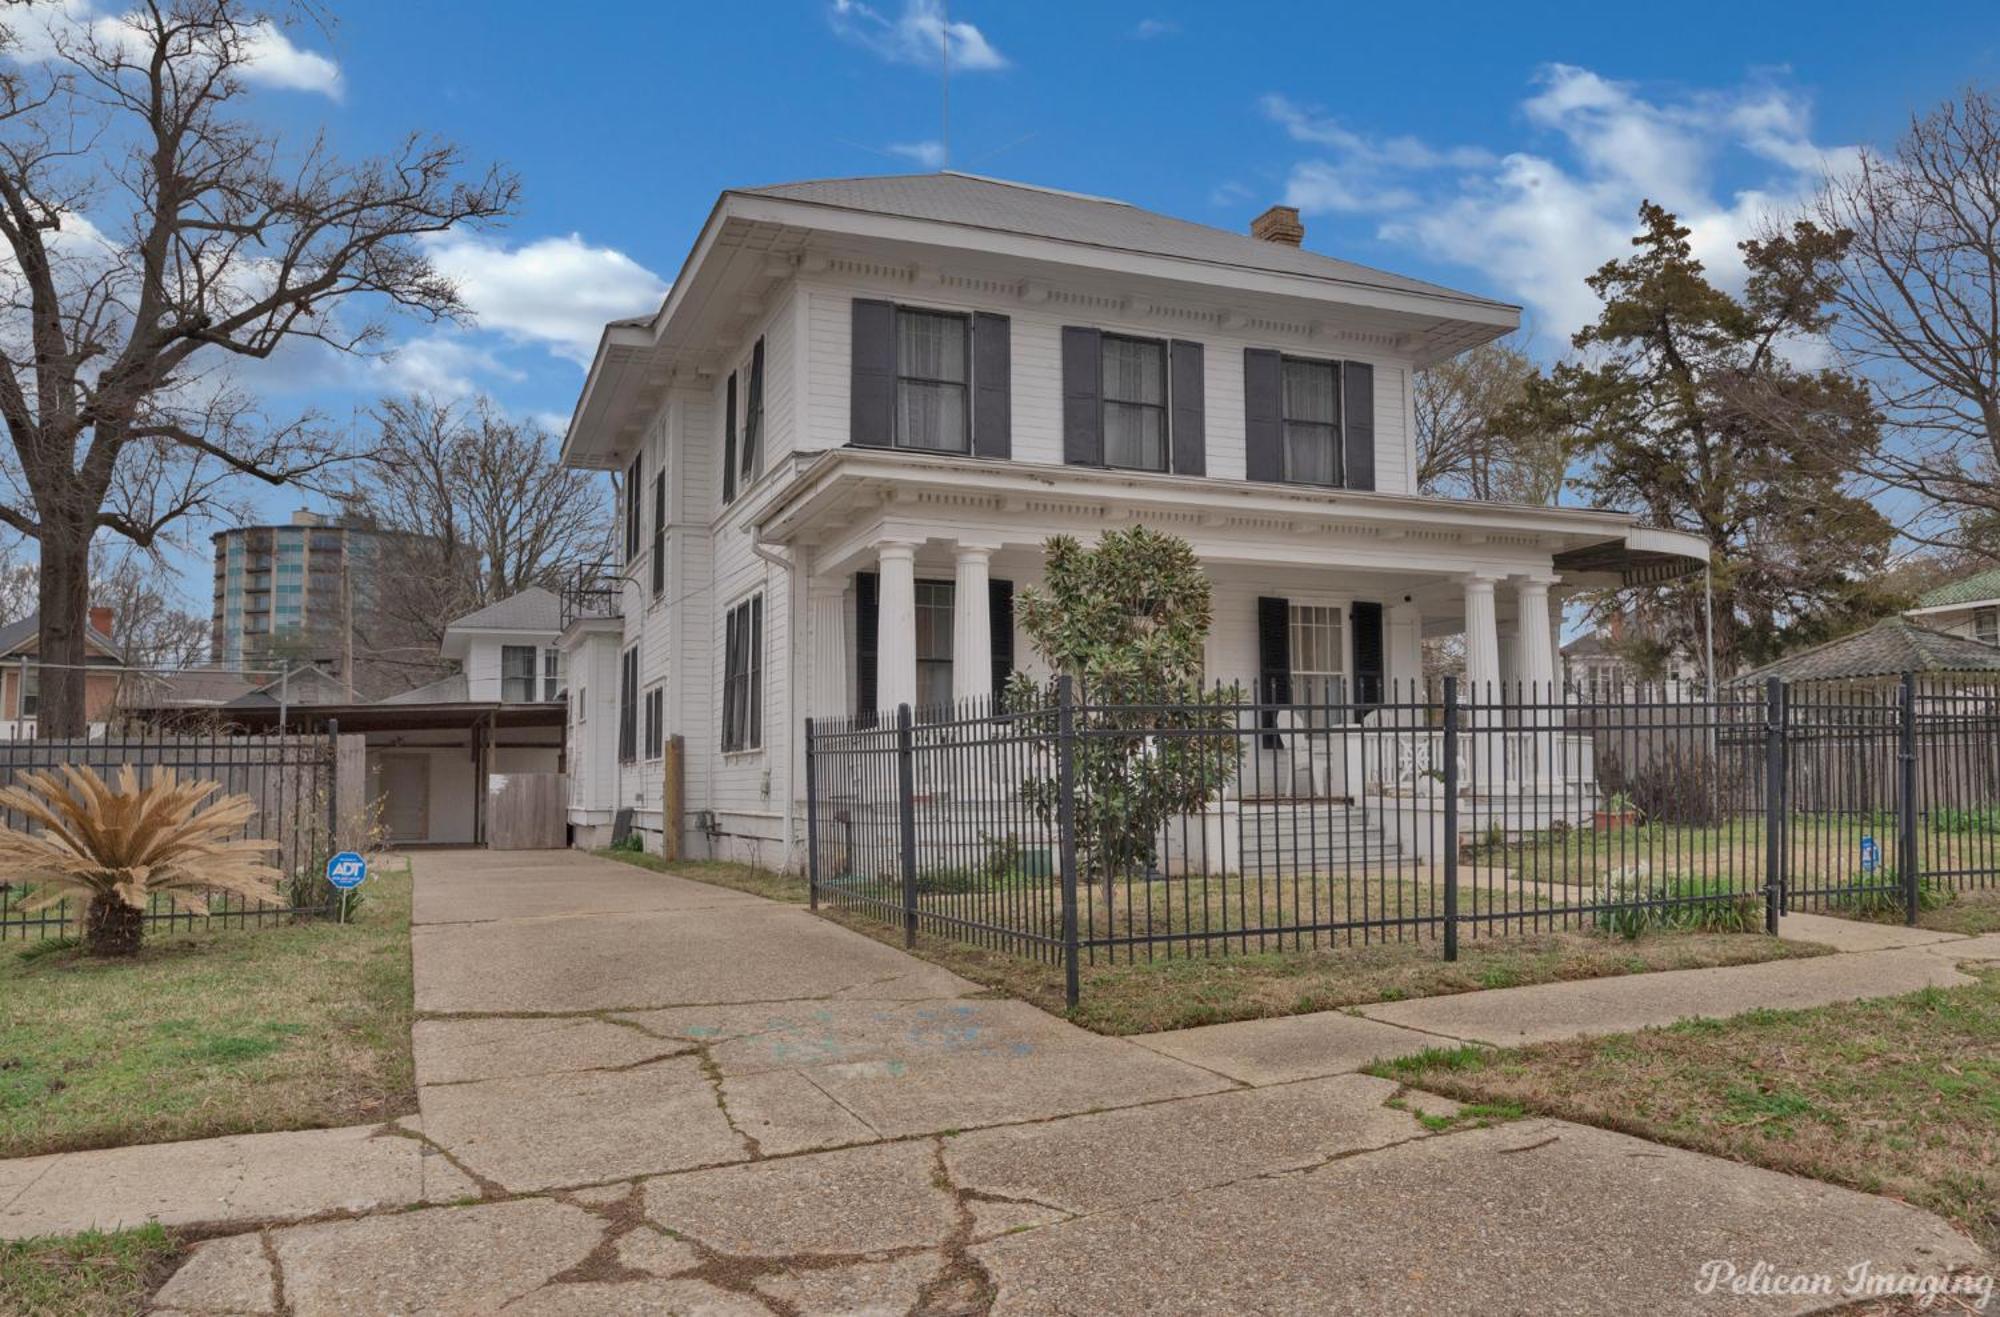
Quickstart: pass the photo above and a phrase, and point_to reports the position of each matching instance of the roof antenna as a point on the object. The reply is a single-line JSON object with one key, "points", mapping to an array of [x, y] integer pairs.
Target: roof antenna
{"points": [[944, 69]]}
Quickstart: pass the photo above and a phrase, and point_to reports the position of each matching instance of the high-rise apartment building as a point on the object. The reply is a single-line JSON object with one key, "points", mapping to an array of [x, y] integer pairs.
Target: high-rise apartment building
{"points": [[289, 590]]}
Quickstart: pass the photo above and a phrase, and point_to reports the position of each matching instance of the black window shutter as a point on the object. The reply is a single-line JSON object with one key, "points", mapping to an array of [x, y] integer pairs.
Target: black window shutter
{"points": [[1357, 414], [867, 626], [1368, 670], [633, 495], [1263, 420], [1274, 660], [1190, 419], [732, 652], [729, 440], [871, 418], [753, 422], [756, 735], [1083, 387], [992, 385], [1000, 614], [659, 533]]}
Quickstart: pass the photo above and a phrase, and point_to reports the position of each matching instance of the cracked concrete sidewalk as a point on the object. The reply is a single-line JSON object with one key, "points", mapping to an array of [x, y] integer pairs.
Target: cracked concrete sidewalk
{"points": [[643, 1094]]}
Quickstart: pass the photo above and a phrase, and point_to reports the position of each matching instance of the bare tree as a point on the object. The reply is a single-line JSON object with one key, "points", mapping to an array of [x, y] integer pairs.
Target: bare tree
{"points": [[1460, 450], [148, 626], [1920, 311], [159, 243], [477, 507]]}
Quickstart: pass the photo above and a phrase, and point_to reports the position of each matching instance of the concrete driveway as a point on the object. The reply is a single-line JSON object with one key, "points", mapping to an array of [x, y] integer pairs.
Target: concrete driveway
{"points": [[660, 1096]]}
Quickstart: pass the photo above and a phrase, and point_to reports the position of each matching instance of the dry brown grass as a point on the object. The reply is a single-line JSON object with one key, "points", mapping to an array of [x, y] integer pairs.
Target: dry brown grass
{"points": [[1147, 996], [1898, 1096]]}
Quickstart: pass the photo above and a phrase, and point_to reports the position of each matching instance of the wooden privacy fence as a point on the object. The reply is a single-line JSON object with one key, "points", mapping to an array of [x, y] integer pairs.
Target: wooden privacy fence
{"points": [[527, 811]]}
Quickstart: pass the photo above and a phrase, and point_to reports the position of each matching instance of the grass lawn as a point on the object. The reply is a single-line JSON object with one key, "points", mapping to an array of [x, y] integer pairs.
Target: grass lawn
{"points": [[225, 1032], [87, 1275], [1149, 996], [1971, 912], [1898, 1096]]}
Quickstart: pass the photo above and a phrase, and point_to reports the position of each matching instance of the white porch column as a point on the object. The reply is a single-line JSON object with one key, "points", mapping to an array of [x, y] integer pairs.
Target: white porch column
{"points": [[1538, 656], [896, 634], [829, 647], [971, 624], [1482, 639], [1404, 656]]}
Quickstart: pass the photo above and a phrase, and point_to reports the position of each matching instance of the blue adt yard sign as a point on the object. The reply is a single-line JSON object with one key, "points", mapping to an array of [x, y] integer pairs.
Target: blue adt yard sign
{"points": [[1871, 855], [347, 871]]}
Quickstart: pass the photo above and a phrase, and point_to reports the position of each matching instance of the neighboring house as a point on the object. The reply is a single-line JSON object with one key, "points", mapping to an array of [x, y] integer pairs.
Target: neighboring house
{"points": [[1877, 658], [866, 404], [436, 753], [1966, 607], [21, 677], [1594, 670]]}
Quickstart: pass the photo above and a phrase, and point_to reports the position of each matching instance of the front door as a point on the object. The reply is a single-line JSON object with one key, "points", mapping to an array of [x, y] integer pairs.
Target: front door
{"points": [[405, 796]]}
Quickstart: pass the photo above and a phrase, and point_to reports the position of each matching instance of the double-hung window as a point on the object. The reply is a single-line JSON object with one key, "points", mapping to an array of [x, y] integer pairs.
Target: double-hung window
{"points": [[931, 376], [1311, 413], [656, 707], [1986, 625], [743, 676], [517, 674], [659, 534], [934, 642], [632, 507], [628, 706], [31, 690], [1135, 403], [1319, 659], [551, 674]]}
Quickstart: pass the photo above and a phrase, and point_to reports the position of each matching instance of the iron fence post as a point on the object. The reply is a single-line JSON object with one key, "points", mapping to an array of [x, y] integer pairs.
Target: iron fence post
{"points": [[812, 823], [906, 790], [1774, 801], [1451, 818], [333, 800], [1066, 830], [1906, 799]]}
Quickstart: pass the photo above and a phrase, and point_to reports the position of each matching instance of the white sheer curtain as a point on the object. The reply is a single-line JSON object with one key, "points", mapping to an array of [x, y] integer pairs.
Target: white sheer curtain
{"points": [[930, 390], [1135, 404], [1312, 416]]}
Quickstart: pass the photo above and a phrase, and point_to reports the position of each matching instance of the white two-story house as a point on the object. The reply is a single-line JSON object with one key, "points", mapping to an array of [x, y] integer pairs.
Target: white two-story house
{"points": [[865, 404]]}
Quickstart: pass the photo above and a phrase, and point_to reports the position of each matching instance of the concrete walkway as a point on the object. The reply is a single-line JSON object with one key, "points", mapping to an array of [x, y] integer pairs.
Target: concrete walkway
{"points": [[642, 1094]]}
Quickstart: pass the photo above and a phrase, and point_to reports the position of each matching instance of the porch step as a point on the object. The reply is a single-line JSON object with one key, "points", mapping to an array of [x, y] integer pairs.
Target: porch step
{"points": [[1301, 835]]}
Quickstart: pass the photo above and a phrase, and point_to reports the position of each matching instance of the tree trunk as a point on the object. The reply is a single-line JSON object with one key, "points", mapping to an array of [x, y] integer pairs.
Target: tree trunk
{"points": [[65, 615], [112, 928]]}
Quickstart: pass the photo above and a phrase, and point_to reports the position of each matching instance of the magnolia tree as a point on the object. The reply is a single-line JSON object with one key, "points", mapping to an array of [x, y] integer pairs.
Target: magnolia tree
{"points": [[1126, 622]]}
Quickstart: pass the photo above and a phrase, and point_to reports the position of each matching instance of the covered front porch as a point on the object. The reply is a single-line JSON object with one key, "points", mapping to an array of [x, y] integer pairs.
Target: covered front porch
{"points": [[907, 567]]}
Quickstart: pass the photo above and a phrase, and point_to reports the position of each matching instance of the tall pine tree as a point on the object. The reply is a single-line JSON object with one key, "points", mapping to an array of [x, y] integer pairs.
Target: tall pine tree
{"points": [[1694, 408]]}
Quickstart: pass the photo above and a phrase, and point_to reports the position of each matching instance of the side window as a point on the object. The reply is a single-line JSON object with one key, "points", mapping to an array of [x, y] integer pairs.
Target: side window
{"points": [[656, 700], [551, 674], [632, 507], [517, 674], [628, 706], [743, 676], [753, 418]]}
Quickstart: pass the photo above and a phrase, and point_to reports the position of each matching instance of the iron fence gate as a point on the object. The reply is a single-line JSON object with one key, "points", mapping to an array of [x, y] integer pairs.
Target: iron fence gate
{"points": [[291, 777], [1069, 831]]}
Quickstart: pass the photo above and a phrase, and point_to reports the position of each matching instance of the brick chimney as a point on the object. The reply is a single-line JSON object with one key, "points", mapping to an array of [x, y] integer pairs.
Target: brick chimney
{"points": [[100, 618], [1279, 224]]}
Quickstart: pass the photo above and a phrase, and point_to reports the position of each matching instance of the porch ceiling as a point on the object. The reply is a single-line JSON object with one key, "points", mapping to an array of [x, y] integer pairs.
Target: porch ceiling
{"points": [[847, 501]]}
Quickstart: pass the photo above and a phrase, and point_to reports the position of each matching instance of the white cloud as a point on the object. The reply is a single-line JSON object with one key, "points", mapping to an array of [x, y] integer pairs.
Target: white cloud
{"points": [[928, 154], [1148, 28], [558, 292], [1538, 220], [449, 367], [272, 60], [917, 35]]}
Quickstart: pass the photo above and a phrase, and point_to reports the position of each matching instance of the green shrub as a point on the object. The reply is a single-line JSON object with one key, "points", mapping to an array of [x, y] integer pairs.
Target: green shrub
{"points": [[1680, 904], [1879, 895], [1963, 821]]}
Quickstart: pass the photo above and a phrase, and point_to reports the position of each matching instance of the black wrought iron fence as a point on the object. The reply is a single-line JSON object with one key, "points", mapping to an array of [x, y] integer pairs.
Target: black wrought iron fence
{"points": [[1076, 832], [291, 778]]}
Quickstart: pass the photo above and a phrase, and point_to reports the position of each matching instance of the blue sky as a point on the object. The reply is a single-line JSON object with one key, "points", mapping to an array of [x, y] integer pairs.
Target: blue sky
{"points": [[1501, 149]]}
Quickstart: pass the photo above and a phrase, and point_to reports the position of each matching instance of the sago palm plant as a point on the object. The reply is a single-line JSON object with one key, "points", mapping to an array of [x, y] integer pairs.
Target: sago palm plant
{"points": [[116, 847]]}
